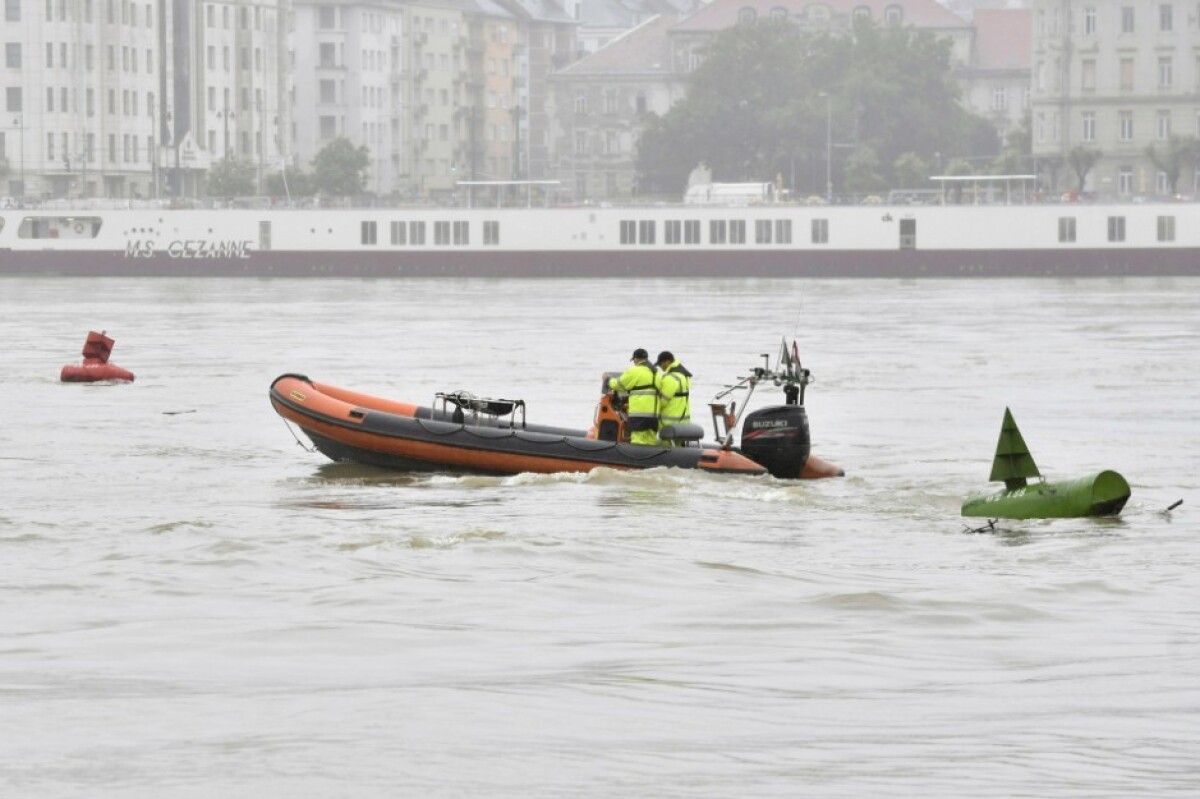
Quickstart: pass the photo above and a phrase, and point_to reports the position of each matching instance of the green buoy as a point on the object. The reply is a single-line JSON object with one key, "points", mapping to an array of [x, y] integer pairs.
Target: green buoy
{"points": [[1102, 494]]}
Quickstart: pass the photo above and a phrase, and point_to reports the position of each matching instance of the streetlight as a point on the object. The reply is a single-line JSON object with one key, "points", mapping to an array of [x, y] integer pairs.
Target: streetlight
{"points": [[176, 180], [828, 146], [19, 123], [226, 115]]}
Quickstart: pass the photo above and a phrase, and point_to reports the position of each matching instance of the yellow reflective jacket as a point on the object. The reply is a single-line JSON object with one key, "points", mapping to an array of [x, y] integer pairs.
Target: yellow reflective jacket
{"points": [[638, 381], [674, 389]]}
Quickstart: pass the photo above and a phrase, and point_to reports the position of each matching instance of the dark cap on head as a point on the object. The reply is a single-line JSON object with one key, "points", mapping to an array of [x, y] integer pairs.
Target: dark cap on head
{"points": [[665, 355], [640, 355]]}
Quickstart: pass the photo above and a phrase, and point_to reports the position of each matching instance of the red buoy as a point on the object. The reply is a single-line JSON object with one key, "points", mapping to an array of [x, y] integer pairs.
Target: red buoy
{"points": [[95, 366]]}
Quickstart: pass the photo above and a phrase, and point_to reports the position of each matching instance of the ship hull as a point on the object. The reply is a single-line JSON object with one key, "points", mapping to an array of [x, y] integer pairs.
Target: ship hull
{"points": [[769, 241], [608, 264]]}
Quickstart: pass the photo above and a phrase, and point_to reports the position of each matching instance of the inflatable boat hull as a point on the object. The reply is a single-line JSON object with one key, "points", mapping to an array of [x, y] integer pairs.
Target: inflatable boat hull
{"points": [[349, 426]]}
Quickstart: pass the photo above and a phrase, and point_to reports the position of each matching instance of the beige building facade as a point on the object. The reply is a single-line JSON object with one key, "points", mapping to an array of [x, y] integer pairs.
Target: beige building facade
{"points": [[136, 100], [1117, 77]]}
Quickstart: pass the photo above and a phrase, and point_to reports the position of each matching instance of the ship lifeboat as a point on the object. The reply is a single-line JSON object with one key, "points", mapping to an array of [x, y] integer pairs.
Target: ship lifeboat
{"points": [[95, 367], [462, 432]]}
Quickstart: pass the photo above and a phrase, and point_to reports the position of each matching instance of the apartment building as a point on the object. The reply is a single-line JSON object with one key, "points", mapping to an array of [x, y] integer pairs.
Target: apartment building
{"points": [[1117, 77], [347, 79], [130, 99]]}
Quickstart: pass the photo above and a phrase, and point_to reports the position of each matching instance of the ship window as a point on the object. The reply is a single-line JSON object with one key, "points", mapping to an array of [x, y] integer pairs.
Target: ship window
{"points": [[264, 235], [783, 231], [737, 231], [1, 225], [673, 231], [1066, 229], [908, 234], [691, 231], [646, 231], [462, 232], [716, 231], [416, 233], [441, 233], [1116, 228], [762, 231], [628, 231], [370, 233], [491, 233], [1166, 228], [59, 227], [398, 231], [820, 231]]}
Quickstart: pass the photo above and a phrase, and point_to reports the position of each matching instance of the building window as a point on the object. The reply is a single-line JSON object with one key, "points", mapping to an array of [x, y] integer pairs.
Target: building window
{"points": [[1165, 72], [1089, 21], [581, 142], [441, 233], [1161, 185], [691, 231], [416, 233], [1164, 125], [820, 231], [628, 231], [737, 231], [1126, 19], [1066, 229], [1166, 228], [747, 14], [646, 231], [12, 99], [999, 98], [611, 100], [581, 103], [369, 233], [1126, 65], [1088, 75], [1116, 228], [1166, 18], [328, 127], [1089, 126], [716, 231], [673, 231], [12, 55], [1039, 126], [783, 231], [491, 233], [893, 15], [762, 231], [398, 230], [1126, 126]]}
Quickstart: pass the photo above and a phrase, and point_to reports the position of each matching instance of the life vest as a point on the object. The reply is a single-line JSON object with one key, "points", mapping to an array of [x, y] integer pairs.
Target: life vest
{"points": [[674, 388], [638, 381]]}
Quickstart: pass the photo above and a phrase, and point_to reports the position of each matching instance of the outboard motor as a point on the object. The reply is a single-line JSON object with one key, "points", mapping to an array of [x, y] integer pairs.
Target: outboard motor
{"points": [[778, 438]]}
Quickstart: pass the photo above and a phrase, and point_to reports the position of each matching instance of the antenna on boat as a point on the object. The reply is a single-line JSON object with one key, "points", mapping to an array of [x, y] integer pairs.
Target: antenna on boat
{"points": [[788, 373]]}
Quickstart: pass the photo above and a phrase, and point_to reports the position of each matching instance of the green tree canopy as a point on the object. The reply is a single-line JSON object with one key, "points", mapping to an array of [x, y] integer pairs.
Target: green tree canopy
{"points": [[340, 168], [1081, 159], [1178, 152], [769, 97], [231, 178]]}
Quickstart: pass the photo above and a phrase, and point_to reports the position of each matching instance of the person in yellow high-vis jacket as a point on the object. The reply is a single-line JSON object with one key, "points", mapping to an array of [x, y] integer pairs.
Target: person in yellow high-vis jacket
{"points": [[674, 383], [638, 382]]}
